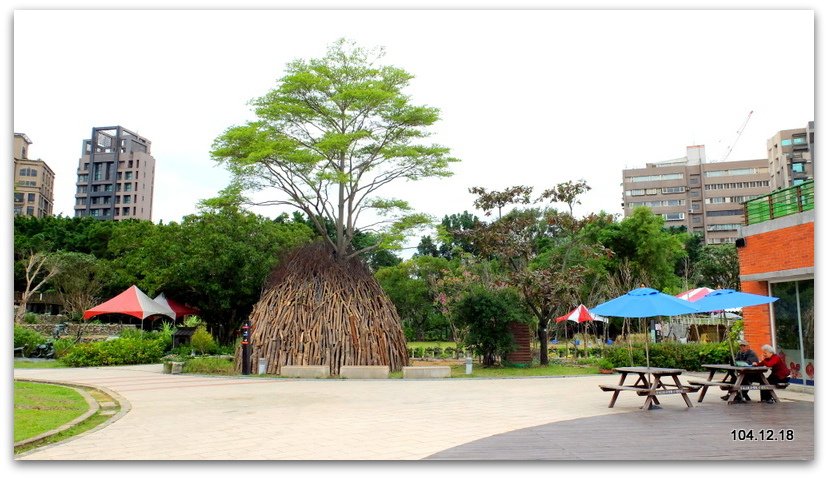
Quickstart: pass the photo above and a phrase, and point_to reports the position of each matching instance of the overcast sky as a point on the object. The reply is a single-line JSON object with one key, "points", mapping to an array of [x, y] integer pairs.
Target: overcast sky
{"points": [[527, 97]]}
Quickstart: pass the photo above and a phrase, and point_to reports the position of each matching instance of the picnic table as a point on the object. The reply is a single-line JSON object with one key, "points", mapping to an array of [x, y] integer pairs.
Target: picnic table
{"points": [[650, 388], [733, 379]]}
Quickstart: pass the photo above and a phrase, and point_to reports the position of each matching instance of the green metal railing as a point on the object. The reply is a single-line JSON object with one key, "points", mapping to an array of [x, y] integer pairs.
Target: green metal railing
{"points": [[780, 203]]}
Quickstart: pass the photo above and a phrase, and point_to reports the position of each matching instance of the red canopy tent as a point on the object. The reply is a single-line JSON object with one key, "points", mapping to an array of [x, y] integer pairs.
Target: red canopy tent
{"points": [[131, 302], [180, 310]]}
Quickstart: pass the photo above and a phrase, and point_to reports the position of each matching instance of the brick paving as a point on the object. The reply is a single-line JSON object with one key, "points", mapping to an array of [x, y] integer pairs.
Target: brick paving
{"points": [[185, 417]]}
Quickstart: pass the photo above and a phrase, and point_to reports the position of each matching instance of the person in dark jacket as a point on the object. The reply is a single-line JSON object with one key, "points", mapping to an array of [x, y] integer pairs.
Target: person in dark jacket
{"points": [[747, 355], [779, 372]]}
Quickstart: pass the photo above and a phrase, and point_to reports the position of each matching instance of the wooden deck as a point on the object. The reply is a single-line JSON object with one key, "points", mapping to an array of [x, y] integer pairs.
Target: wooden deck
{"points": [[671, 433]]}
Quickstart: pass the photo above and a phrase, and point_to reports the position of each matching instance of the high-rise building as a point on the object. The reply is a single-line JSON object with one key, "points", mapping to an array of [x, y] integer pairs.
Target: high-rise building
{"points": [[703, 197], [791, 157], [116, 174], [34, 181]]}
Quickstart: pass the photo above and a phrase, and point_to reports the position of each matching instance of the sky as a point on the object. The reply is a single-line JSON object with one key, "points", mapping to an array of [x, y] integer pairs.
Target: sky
{"points": [[526, 97], [533, 96]]}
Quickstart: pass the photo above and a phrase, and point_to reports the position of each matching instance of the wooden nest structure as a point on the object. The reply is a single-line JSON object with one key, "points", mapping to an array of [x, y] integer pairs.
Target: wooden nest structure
{"points": [[317, 309]]}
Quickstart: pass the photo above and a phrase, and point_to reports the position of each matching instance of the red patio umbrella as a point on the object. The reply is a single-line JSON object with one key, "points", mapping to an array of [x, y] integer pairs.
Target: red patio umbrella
{"points": [[130, 302], [579, 315], [693, 295]]}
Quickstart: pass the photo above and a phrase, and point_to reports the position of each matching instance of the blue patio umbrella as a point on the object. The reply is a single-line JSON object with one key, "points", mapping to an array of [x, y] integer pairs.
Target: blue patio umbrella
{"points": [[645, 302], [729, 299]]}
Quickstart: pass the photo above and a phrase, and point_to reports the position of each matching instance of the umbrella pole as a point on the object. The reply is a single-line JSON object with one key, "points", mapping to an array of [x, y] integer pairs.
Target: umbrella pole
{"points": [[647, 346]]}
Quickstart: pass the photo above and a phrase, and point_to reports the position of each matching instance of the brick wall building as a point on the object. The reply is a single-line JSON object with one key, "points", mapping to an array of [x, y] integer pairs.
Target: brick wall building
{"points": [[776, 257]]}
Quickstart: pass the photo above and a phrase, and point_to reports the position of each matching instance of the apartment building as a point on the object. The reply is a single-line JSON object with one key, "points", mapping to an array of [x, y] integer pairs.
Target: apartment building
{"points": [[34, 181], [704, 197], [116, 173], [791, 157]]}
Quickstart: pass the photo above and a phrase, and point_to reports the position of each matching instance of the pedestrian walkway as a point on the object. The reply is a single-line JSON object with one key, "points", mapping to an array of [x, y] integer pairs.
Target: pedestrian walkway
{"points": [[185, 417]]}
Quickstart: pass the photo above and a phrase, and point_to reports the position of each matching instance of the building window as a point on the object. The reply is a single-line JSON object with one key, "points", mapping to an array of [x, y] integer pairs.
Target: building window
{"points": [[674, 216], [28, 172], [724, 227], [31, 197], [673, 190], [18, 197], [127, 199], [128, 175], [655, 177], [793, 317], [128, 187], [30, 210], [727, 212], [798, 167], [126, 211], [786, 142]]}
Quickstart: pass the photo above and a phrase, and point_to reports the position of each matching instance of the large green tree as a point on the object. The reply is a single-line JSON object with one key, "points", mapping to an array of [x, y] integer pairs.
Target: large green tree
{"points": [[718, 267], [332, 133], [641, 248], [486, 314], [216, 260], [542, 254]]}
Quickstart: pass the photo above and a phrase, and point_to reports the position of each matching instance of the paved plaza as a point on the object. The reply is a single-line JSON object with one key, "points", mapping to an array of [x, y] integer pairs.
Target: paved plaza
{"points": [[188, 417]]}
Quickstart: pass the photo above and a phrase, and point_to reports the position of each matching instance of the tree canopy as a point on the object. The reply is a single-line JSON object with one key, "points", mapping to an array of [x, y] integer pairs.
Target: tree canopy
{"points": [[332, 133]]}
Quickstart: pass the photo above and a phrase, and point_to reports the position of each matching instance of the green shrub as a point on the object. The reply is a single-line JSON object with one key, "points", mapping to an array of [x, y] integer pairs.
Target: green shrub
{"points": [[30, 318], [62, 347], [114, 352], [131, 333], [210, 365], [669, 355], [27, 338], [202, 341]]}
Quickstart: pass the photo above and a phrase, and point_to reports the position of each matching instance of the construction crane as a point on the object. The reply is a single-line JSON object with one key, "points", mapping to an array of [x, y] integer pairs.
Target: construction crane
{"points": [[738, 135]]}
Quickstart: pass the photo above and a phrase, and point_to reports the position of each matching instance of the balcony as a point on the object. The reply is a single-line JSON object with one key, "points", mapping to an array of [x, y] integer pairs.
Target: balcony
{"points": [[780, 203]]}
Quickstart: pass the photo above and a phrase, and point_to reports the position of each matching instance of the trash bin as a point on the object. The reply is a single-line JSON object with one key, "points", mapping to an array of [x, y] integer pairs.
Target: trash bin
{"points": [[262, 365], [176, 367]]}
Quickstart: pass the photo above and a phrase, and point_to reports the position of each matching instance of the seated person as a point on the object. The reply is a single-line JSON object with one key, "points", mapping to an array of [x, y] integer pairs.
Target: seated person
{"points": [[746, 355], [779, 371]]}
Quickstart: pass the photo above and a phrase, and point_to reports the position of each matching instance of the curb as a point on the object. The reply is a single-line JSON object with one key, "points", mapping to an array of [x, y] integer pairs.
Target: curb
{"points": [[124, 405]]}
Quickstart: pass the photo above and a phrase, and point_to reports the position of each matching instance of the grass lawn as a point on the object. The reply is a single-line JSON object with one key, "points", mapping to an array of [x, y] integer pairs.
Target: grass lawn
{"points": [[38, 364], [40, 407], [459, 371]]}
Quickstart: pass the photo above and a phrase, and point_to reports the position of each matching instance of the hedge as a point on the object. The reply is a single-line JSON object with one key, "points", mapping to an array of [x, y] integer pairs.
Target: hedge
{"points": [[28, 339], [122, 351], [669, 355]]}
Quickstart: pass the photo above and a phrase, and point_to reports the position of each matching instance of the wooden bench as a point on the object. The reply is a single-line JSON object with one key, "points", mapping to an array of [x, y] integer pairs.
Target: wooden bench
{"points": [[620, 388], [669, 391], [704, 384]]}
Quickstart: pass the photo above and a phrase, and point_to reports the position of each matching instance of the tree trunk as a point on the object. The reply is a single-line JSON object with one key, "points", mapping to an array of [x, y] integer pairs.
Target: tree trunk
{"points": [[543, 337]]}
